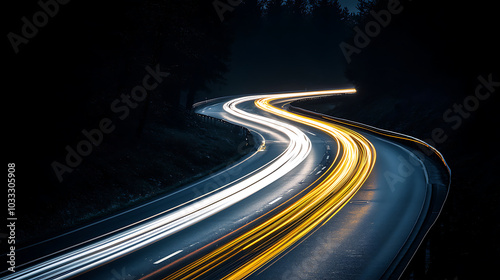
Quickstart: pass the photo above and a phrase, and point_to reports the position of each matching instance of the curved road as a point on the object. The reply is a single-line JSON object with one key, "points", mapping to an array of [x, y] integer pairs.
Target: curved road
{"points": [[274, 214]]}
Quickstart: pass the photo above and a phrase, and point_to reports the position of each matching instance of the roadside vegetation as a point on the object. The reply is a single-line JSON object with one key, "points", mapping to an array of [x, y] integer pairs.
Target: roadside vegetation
{"points": [[425, 73], [123, 174], [130, 70]]}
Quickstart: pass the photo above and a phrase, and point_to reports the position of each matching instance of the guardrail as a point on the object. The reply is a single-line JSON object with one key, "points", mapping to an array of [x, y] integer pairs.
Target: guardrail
{"points": [[420, 147], [234, 128], [439, 185]]}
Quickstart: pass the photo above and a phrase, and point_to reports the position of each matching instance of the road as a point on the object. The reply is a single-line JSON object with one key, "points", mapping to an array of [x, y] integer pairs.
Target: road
{"points": [[318, 198]]}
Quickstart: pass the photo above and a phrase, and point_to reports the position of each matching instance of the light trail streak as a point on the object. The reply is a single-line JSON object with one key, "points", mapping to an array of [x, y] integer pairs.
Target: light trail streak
{"points": [[180, 217], [168, 257], [264, 242]]}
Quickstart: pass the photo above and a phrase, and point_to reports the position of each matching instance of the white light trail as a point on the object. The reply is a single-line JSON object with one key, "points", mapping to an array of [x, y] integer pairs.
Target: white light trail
{"points": [[168, 257]]}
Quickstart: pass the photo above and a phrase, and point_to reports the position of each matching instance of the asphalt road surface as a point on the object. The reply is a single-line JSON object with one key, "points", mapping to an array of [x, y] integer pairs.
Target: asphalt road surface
{"points": [[315, 199]]}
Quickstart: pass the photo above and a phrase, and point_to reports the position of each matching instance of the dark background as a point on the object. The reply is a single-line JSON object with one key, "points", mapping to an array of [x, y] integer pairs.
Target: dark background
{"points": [[427, 59]]}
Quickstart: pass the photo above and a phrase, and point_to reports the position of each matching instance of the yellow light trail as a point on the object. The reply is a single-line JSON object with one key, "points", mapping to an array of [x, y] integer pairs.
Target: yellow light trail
{"points": [[264, 242]]}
